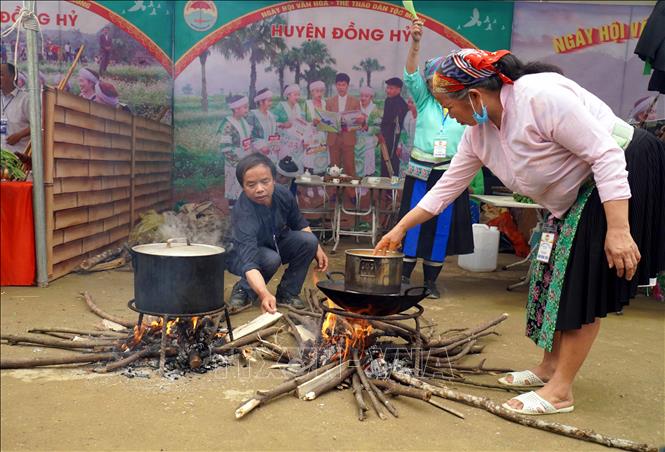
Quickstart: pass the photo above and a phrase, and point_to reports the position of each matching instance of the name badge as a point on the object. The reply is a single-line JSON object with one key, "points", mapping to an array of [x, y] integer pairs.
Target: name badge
{"points": [[547, 239], [3, 126], [273, 139], [440, 148], [246, 143]]}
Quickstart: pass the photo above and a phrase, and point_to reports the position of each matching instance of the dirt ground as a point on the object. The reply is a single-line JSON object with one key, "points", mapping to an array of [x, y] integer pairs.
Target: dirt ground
{"points": [[619, 391]]}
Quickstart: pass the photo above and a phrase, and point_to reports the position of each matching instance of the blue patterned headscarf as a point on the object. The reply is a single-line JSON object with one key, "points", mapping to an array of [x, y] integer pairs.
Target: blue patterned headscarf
{"points": [[431, 66]]}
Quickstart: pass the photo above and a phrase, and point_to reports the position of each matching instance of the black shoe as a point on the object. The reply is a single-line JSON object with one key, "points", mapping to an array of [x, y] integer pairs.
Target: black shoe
{"points": [[406, 280], [290, 300], [239, 297], [434, 291]]}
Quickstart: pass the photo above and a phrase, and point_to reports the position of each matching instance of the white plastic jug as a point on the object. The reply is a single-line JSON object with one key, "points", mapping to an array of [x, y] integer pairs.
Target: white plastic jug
{"points": [[486, 250]]}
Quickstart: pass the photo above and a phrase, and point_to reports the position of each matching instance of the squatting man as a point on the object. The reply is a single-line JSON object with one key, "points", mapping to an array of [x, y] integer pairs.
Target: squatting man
{"points": [[268, 230]]}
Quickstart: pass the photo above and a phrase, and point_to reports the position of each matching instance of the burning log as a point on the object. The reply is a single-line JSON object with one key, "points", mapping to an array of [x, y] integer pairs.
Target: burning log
{"points": [[553, 427], [358, 394], [263, 397], [17, 363], [365, 382], [94, 308]]}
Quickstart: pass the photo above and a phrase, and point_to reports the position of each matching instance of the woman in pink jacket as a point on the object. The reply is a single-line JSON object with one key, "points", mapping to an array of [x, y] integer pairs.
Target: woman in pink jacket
{"points": [[602, 181]]}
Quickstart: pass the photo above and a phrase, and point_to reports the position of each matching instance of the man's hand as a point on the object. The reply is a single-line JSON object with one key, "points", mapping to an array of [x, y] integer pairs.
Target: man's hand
{"points": [[268, 302], [321, 260], [14, 138], [416, 30]]}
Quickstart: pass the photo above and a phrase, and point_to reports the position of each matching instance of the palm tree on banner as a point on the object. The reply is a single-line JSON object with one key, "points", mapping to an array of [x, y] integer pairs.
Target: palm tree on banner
{"points": [[369, 65], [315, 54], [278, 64], [257, 41], [327, 75], [295, 60], [204, 86]]}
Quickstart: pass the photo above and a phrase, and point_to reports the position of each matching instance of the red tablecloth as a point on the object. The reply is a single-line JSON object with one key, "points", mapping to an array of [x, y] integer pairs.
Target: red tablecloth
{"points": [[17, 234]]}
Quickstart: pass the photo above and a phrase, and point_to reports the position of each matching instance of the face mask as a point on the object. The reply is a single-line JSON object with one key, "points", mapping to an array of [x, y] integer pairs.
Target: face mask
{"points": [[481, 118]]}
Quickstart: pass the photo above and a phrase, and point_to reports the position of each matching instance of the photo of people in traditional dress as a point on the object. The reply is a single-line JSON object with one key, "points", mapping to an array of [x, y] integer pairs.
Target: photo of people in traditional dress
{"points": [[322, 102]]}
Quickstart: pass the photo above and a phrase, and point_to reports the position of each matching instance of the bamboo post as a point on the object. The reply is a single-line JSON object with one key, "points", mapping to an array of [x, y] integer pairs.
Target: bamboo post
{"points": [[49, 127], [132, 176]]}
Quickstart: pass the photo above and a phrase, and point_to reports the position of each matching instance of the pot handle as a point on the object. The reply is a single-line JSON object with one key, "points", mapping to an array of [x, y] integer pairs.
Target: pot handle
{"points": [[330, 275], [169, 242], [425, 290]]}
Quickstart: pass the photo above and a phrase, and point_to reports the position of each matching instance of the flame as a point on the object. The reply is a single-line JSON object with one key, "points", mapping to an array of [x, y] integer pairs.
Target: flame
{"points": [[353, 334], [155, 327]]}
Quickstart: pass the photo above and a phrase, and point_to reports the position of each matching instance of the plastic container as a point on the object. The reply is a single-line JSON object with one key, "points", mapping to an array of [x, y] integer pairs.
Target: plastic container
{"points": [[486, 250]]}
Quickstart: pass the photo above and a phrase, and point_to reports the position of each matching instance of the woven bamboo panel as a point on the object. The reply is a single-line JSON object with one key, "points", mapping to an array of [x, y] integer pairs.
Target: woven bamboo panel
{"points": [[106, 167]]}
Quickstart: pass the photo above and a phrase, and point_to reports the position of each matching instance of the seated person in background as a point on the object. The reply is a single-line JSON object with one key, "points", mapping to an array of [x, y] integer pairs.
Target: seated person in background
{"points": [[268, 230], [15, 126]]}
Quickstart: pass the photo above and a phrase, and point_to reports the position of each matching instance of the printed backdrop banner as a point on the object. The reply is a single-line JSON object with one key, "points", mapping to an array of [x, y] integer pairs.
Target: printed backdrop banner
{"points": [[226, 49], [137, 57], [593, 44]]}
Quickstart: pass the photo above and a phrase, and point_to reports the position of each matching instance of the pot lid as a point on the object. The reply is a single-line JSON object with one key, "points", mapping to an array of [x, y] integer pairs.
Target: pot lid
{"points": [[178, 249], [360, 252]]}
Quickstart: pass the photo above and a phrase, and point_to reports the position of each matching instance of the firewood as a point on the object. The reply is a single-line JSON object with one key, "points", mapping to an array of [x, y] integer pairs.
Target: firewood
{"points": [[481, 368], [468, 333], [434, 361], [397, 389], [126, 361], [382, 398], [13, 339], [264, 320], [496, 409], [321, 379], [327, 386], [113, 334], [94, 308], [246, 340], [358, 394], [445, 408], [101, 257], [363, 379], [263, 397], [281, 353], [293, 330], [20, 363], [110, 265], [448, 348]]}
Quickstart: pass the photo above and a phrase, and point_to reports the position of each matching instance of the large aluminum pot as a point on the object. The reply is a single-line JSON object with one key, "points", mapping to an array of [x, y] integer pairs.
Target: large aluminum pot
{"points": [[178, 278], [367, 273]]}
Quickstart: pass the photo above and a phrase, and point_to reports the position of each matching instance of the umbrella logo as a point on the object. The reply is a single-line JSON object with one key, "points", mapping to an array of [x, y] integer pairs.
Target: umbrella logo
{"points": [[200, 15]]}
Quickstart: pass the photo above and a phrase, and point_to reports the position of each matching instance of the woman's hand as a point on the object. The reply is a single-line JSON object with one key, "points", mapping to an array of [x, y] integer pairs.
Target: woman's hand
{"points": [[622, 252], [417, 30], [391, 241]]}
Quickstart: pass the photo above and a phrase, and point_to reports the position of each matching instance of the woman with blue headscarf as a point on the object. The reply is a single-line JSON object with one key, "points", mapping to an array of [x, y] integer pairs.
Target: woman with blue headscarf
{"points": [[434, 145]]}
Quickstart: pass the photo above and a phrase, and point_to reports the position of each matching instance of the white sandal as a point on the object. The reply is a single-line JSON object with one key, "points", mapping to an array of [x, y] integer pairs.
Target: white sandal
{"points": [[524, 379], [533, 404]]}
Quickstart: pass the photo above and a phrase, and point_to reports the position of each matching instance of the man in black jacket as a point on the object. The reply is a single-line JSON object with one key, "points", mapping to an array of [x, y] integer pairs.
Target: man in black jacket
{"points": [[394, 111], [268, 230]]}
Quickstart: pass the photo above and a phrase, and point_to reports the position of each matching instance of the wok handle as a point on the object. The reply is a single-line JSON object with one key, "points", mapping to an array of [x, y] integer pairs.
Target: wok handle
{"points": [[170, 242], [330, 275], [424, 290]]}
